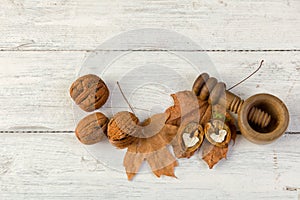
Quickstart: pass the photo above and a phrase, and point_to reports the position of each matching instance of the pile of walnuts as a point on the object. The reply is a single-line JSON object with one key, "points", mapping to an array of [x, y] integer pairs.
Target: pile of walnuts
{"points": [[90, 93], [193, 121]]}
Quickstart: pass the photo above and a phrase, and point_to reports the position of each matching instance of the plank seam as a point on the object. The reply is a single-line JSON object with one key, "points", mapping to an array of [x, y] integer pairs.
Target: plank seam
{"points": [[37, 131], [155, 50]]}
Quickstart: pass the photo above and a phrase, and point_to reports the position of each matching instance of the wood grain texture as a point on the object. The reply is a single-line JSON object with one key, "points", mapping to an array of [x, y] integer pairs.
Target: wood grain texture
{"points": [[83, 25], [34, 86], [43, 45], [56, 166]]}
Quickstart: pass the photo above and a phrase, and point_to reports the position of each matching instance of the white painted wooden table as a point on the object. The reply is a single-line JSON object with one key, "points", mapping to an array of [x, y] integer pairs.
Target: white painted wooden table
{"points": [[43, 44]]}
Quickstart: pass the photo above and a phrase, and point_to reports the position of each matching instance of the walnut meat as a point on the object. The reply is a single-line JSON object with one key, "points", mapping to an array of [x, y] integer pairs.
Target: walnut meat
{"points": [[188, 139], [218, 133], [89, 92], [123, 129], [92, 128]]}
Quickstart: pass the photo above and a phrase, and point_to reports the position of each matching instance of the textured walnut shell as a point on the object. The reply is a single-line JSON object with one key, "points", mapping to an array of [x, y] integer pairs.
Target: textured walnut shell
{"points": [[122, 129], [89, 92], [195, 130], [214, 127], [92, 128]]}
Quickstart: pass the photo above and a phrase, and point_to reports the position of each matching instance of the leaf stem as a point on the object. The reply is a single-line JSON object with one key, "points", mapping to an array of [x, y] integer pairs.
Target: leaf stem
{"points": [[131, 108], [261, 62]]}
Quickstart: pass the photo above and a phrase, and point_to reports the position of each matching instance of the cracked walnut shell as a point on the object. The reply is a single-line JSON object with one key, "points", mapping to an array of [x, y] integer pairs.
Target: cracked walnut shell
{"points": [[92, 128], [89, 92], [123, 129], [218, 133], [189, 139]]}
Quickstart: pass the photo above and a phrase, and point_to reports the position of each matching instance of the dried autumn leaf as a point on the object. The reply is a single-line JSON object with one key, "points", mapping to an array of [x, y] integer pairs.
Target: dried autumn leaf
{"points": [[162, 162], [152, 148], [132, 162], [213, 154], [174, 112], [187, 107]]}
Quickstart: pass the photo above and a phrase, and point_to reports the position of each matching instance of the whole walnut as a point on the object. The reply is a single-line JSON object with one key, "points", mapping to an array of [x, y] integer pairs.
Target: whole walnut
{"points": [[123, 129], [89, 92], [92, 128]]}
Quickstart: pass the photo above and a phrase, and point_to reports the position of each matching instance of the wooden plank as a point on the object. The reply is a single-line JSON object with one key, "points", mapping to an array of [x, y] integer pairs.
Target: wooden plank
{"points": [[34, 85], [83, 25], [56, 166]]}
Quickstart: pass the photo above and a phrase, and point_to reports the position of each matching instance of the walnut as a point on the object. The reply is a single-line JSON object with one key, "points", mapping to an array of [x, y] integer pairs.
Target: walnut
{"points": [[218, 133], [123, 129], [188, 140], [89, 92], [92, 128]]}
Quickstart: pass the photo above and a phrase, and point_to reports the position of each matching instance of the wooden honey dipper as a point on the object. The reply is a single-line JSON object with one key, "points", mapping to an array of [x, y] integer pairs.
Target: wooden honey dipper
{"points": [[262, 118]]}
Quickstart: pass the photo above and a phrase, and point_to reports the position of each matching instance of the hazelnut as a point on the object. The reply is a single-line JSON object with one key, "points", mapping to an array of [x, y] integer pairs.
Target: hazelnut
{"points": [[92, 128], [89, 92]]}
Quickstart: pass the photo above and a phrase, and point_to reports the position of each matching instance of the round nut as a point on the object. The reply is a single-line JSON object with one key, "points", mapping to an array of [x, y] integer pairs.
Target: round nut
{"points": [[89, 92], [92, 128], [123, 129]]}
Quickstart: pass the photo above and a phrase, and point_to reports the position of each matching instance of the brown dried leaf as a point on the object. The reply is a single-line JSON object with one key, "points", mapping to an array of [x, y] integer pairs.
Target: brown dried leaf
{"points": [[169, 133], [174, 112], [152, 148], [162, 162], [187, 108], [212, 154], [185, 102], [167, 171], [132, 162]]}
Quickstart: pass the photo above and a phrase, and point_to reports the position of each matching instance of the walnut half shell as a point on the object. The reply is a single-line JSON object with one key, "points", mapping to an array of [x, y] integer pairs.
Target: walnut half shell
{"points": [[188, 140], [218, 133]]}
